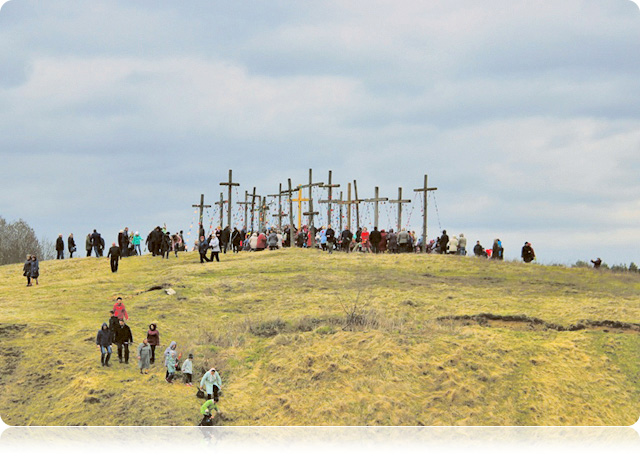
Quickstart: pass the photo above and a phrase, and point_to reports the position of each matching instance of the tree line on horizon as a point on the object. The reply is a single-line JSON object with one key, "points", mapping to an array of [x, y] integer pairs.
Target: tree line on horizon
{"points": [[18, 239]]}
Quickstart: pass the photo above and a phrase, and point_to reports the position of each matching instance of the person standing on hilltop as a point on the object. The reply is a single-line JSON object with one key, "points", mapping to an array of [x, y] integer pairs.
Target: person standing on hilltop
{"points": [[596, 263], [114, 253], [331, 238], [345, 239], [60, 247], [119, 310], [374, 239], [26, 270], [478, 250], [35, 269], [462, 245], [443, 242], [103, 340], [71, 245], [87, 244], [392, 242], [136, 243], [95, 242], [527, 254], [153, 337]]}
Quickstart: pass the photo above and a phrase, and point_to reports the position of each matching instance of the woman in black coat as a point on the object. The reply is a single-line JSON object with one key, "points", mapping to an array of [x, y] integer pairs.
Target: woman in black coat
{"points": [[26, 270], [35, 268]]}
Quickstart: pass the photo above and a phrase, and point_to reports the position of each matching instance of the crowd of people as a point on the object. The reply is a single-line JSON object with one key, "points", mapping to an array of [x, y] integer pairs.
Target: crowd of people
{"points": [[117, 332]]}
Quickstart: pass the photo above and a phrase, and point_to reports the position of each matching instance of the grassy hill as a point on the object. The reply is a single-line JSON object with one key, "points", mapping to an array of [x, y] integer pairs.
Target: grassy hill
{"points": [[305, 338]]}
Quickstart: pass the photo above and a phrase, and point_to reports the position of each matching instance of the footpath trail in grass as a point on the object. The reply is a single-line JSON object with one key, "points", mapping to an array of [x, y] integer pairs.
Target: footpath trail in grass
{"points": [[306, 338]]}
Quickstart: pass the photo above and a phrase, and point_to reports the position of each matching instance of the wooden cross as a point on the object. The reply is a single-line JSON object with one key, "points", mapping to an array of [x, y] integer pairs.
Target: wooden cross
{"points": [[201, 206], [376, 200], [245, 203], [329, 186], [253, 205], [229, 184], [424, 191], [299, 201], [399, 202], [357, 202], [280, 213], [292, 231], [263, 214], [311, 213], [221, 204], [341, 203]]}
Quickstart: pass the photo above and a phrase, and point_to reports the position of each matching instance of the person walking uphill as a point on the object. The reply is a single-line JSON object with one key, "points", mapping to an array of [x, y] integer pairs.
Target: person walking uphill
{"points": [[144, 357], [119, 310], [114, 253], [122, 339], [167, 353], [153, 337], [103, 340], [212, 383]]}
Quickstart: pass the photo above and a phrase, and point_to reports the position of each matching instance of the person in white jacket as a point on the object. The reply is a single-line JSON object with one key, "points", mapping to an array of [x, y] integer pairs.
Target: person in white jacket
{"points": [[187, 370], [212, 383], [214, 244], [453, 245]]}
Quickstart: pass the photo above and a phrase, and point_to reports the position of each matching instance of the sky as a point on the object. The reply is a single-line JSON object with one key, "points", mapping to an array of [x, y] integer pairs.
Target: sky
{"points": [[525, 115]]}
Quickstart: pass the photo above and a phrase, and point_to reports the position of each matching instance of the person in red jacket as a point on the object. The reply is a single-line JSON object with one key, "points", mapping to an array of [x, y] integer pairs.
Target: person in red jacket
{"points": [[262, 242], [119, 310]]}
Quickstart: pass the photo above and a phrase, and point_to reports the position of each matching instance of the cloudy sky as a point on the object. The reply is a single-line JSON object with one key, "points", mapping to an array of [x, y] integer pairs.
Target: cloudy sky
{"points": [[524, 114]]}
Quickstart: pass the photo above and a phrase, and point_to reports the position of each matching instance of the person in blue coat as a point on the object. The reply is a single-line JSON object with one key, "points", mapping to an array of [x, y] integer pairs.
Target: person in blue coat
{"points": [[103, 340]]}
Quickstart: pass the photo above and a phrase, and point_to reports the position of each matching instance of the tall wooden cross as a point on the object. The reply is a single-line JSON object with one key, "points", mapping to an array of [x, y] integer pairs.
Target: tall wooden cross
{"points": [[357, 202], [292, 231], [424, 191], [299, 200], [311, 213], [264, 207], [221, 204], [201, 206], [245, 203], [399, 202], [330, 187], [229, 184], [253, 196], [341, 203], [376, 200], [280, 213]]}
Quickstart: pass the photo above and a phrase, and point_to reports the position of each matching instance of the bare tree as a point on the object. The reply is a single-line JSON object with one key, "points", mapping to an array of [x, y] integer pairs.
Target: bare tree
{"points": [[17, 240]]}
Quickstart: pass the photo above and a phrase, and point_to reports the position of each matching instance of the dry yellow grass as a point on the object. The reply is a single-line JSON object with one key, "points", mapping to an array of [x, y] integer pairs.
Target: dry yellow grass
{"points": [[275, 325]]}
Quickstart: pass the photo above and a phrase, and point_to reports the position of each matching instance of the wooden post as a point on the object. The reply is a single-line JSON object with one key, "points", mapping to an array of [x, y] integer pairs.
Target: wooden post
{"points": [[311, 213], [299, 200], [399, 202], [357, 202], [348, 202], [245, 203], [341, 203], [263, 214], [201, 206], [229, 184], [221, 204], [329, 186], [424, 191], [280, 213], [376, 200], [253, 205]]}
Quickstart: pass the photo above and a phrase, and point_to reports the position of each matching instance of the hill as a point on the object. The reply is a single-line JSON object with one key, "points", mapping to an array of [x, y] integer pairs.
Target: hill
{"points": [[305, 338]]}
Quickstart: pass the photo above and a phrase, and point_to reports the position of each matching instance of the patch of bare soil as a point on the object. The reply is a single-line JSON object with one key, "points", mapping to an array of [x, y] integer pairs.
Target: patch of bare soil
{"points": [[525, 323]]}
